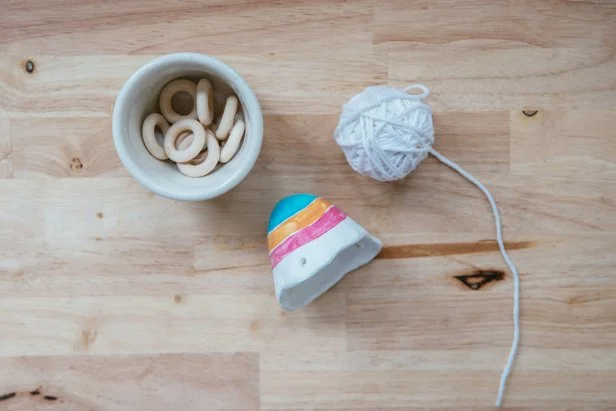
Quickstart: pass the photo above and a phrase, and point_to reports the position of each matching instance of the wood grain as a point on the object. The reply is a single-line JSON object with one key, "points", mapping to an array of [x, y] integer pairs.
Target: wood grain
{"points": [[115, 299], [129, 382]]}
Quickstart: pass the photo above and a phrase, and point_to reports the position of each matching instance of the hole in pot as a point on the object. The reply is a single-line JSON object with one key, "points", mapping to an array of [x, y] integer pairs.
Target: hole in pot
{"points": [[302, 262]]}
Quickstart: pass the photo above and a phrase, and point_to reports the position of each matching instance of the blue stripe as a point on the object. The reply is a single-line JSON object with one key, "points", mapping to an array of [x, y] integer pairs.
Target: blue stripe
{"points": [[288, 207]]}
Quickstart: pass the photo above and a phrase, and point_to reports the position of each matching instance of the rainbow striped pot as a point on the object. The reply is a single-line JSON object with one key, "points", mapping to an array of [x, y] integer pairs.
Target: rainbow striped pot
{"points": [[312, 245]]}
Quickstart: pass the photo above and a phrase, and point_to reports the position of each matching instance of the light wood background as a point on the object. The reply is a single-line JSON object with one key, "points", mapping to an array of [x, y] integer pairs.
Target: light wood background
{"points": [[114, 299]]}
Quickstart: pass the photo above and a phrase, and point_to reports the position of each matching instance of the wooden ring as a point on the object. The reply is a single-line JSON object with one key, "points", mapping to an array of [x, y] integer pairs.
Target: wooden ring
{"points": [[184, 140], [226, 121], [233, 142], [205, 162], [205, 102], [148, 133], [166, 96], [196, 145]]}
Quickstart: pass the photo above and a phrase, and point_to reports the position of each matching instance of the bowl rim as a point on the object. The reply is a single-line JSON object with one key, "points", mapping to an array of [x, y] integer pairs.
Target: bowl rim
{"points": [[246, 96]]}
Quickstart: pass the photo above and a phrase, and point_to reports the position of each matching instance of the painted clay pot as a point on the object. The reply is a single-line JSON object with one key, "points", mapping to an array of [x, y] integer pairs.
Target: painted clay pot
{"points": [[312, 245]]}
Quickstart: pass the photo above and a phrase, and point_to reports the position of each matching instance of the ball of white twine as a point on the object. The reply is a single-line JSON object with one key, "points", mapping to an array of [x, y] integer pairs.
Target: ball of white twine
{"points": [[385, 133]]}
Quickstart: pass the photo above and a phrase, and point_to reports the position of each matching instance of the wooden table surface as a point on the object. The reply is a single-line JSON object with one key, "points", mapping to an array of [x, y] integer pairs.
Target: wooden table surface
{"points": [[112, 298]]}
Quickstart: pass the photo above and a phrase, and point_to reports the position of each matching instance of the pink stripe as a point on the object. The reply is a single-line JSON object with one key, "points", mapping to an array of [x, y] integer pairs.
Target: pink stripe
{"points": [[326, 222]]}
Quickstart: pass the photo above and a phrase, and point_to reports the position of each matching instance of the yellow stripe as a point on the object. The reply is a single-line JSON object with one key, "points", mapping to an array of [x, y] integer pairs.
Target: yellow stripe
{"points": [[300, 220]]}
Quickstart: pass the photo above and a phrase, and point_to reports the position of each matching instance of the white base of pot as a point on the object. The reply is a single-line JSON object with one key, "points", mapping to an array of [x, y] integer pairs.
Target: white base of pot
{"points": [[314, 268]]}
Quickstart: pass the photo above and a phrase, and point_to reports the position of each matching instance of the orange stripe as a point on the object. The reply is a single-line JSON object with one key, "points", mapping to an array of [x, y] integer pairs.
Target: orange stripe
{"points": [[295, 223]]}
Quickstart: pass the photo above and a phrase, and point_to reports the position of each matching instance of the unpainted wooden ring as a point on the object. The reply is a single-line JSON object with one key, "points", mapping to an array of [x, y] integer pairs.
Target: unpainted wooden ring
{"points": [[166, 97], [205, 102], [205, 162], [184, 140], [228, 115], [196, 145], [232, 144], [148, 133]]}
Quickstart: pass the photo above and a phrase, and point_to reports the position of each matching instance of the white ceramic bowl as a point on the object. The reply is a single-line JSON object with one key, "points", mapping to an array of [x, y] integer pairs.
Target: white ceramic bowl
{"points": [[139, 97]]}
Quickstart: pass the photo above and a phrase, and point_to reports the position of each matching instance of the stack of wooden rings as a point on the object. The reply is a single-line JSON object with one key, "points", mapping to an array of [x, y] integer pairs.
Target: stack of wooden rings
{"points": [[192, 140]]}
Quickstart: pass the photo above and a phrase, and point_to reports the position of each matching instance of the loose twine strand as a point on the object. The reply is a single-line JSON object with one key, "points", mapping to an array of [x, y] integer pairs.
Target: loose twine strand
{"points": [[385, 133]]}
